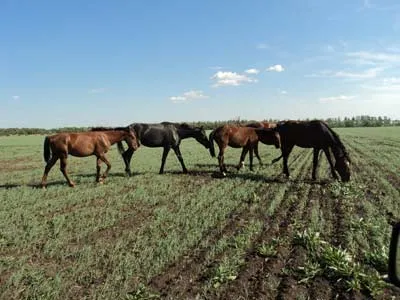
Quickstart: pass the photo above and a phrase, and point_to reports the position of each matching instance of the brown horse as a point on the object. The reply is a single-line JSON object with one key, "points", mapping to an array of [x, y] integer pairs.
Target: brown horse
{"points": [[319, 136], [261, 124], [84, 144], [240, 137]]}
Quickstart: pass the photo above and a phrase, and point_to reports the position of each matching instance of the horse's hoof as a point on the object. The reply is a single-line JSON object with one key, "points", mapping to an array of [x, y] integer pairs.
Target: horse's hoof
{"points": [[72, 185], [223, 174], [44, 187], [185, 172]]}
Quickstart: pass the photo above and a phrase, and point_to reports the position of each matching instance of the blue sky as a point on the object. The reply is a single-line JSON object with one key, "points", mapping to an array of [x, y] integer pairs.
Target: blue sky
{"points": [[84, 63]]}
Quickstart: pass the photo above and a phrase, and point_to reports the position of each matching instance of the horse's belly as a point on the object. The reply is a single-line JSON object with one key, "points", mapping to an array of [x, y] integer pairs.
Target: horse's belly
{"points": [[235, 144]]}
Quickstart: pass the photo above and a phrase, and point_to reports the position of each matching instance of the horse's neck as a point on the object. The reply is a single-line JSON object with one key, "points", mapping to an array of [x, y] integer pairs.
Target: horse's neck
{"points": [[186, 133], [115, 136], [337, 152]]}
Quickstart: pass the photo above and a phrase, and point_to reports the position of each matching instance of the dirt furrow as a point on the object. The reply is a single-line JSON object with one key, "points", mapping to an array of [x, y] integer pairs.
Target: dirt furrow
{"points": [[260, 277]]}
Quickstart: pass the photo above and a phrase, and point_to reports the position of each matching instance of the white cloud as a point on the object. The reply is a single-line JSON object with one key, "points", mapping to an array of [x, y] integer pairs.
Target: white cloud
{"points": [[230, 79], [283, 92], [276, 68], [252, 71], [188, 96], [97, 91], [336, 98], [15, 97]]}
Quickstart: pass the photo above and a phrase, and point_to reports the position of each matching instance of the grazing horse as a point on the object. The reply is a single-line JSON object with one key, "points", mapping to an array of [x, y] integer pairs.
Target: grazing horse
{"points": [[261, 124], [167, 135], [83, 144], [240, 137], [319, 136]]}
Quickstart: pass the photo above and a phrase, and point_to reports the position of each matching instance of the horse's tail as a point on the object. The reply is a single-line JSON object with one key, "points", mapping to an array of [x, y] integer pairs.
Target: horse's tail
{"points": [[46, 149], [338, 141], [211, 139], [120, 147]]}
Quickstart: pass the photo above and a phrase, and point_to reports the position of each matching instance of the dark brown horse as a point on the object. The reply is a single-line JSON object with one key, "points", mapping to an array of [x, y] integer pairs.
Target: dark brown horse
{"points": [[166, 135], [319, 136], [240, 137], [83, 144], [261, 124]]}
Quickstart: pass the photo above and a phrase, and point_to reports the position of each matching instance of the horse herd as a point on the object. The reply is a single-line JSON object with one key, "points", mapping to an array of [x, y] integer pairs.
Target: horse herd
{"points": [[284, 135]]}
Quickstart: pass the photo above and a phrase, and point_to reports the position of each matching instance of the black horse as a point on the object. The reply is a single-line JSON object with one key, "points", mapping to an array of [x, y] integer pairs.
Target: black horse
{"points": [[167, 135], [313, 134]]}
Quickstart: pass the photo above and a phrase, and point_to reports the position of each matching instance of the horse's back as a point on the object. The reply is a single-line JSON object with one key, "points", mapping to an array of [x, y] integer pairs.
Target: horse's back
{"points": [[306, 134], [157, 134], [262, 124], [235, 136]]}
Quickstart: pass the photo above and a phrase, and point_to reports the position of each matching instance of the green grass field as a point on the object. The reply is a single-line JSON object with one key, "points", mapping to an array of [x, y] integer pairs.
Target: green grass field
{"points": [[252, 235]]}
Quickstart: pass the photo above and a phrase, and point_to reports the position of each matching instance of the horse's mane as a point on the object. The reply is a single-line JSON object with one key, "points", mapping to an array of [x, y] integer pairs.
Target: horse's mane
{"points": [[125, 128], [338, 141], [183, 125]]}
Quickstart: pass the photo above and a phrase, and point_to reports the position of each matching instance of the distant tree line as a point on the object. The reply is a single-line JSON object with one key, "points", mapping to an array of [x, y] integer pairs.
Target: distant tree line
{"points": [[358, 121]]}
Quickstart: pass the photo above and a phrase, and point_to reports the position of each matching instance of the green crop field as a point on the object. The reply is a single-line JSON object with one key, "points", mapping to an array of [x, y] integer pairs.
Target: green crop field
{"points": [[251, 235]]}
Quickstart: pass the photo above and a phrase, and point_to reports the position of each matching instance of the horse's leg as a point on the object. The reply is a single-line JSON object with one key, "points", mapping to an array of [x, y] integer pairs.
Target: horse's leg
{"points": [[180, 158], [127, 156], [63, 168], [285, 154], [242, 158], [98, 167], [328, 156], [221, 164], [105, 160], [164, 157], [47, 169], [251, 158], [276, 159], [315, 163], [256, 153]]}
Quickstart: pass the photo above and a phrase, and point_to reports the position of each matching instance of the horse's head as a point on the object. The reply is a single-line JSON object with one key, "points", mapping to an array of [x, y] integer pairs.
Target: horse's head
{"points": [[201, 137], [342, 166], [131, 138], [269, 136]]}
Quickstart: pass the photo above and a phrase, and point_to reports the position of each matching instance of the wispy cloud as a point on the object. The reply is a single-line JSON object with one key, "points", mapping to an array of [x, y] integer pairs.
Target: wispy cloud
{"points": [[215, 68], [367, 4], [231, 79], [15, 97], [349, 74], [328, 48], [283, 92], [263, 46], [388, 85], [276, 68], [252, 71], [336, 98], [375, 57], [97, 91], [369, 73], [188, 96]]}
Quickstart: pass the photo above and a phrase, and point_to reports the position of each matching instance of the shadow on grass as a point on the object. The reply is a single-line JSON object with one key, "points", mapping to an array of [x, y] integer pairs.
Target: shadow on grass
{"points": [[74, 178], [277, 179], [32, 185]]}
